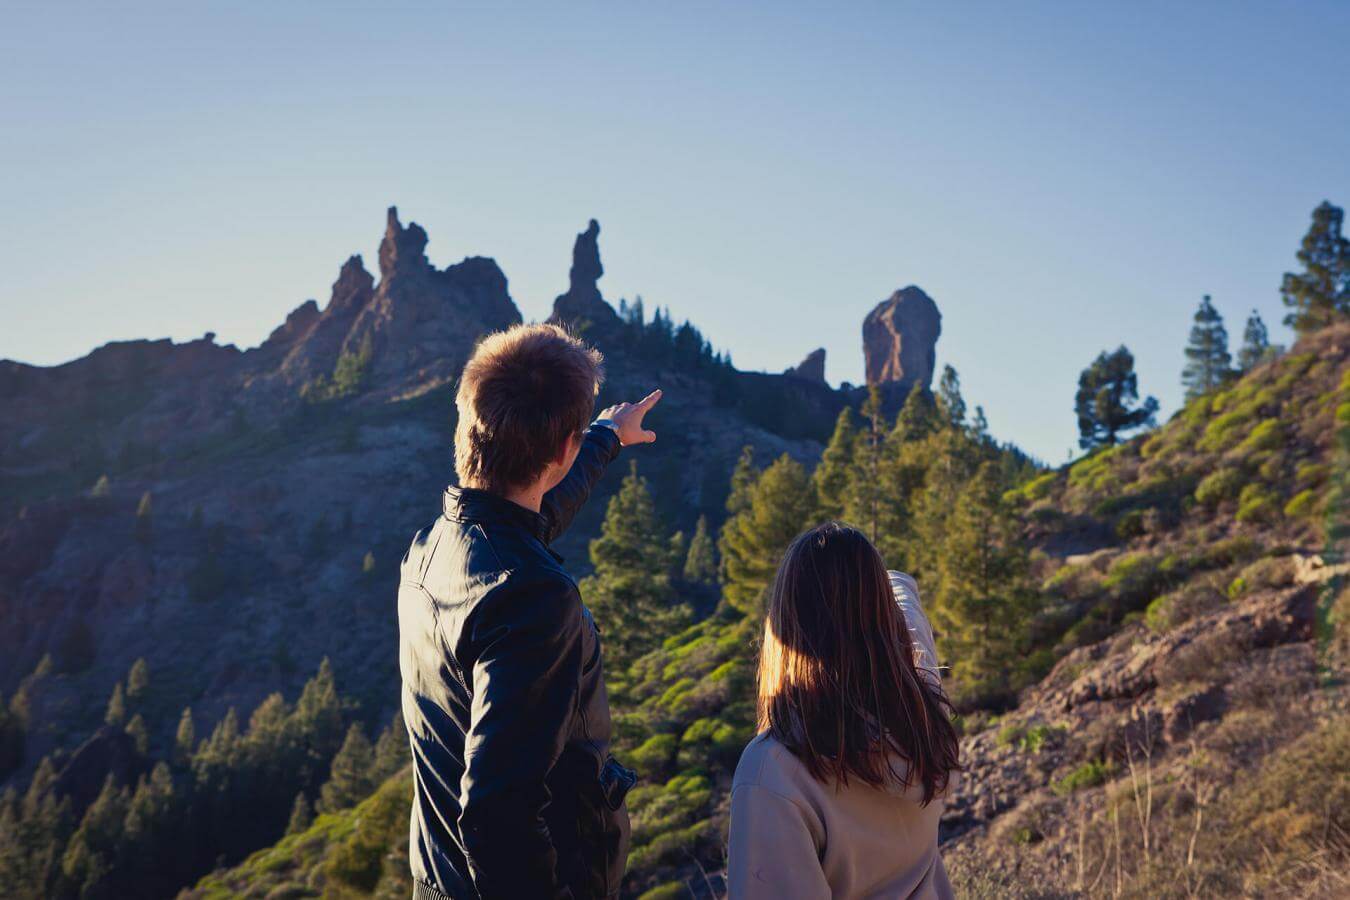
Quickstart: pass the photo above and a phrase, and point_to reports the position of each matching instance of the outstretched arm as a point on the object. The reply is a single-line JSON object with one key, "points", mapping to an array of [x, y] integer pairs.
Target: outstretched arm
{"points": [[618, 426]]}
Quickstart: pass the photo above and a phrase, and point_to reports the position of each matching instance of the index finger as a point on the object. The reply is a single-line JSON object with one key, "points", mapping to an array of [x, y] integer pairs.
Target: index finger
{"points": [[649, 401]]}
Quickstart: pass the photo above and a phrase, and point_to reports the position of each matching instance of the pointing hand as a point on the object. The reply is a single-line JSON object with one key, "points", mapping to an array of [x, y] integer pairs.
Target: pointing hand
{"points": [[627, 419]]}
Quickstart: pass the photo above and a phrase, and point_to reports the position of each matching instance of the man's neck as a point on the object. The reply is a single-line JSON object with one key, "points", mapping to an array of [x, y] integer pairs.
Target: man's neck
{"points": [[532, 498]]}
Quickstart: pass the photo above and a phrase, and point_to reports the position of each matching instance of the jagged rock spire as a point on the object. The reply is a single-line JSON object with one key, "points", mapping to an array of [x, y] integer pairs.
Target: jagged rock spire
{"points": [[402, 249], [583, 307]]}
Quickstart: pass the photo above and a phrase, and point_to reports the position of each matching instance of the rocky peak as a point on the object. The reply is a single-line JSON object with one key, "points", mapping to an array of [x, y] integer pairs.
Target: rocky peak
{"points": [[812, 368], [583, 304], [354, 286], [900, 340], [402, 249]]}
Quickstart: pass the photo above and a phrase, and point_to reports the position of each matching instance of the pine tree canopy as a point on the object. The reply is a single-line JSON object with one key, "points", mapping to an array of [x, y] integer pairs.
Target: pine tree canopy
{"points": [[1320, 294], [1255, 343], [138, 680], [117, 707], [781, 504], [1107, 392], [700, 564], [831, 476], [301, 815], [630, 592], [1207, 361], [950, 403], [351, 779]]}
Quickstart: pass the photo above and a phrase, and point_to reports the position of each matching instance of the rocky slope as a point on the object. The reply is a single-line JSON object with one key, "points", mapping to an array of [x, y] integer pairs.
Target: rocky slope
{"points": [[1201, 747]]}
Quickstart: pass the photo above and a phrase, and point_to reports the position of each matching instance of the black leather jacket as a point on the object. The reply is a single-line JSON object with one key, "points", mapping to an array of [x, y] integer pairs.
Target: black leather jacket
{"points": [[515, 793]]}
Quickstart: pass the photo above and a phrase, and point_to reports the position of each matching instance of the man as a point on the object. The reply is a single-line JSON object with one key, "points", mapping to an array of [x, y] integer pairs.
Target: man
{"points": [[515, 794]]}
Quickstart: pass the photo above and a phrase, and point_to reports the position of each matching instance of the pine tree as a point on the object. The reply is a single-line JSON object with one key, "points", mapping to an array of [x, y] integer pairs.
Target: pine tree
{"points": [[918, 417], [630, 593], [1320, 294], [117, 707], [950, 402], [301, 815], [1107, 392], [318, 713], [700, 564], [391, 749], [185, 740], [1207, 361], [350, 779], [863, 502], [984, 603], [140, 736], [138, 681], [95, 846], [781, 505], [1255, 343], [832, 474], [743, 479]]}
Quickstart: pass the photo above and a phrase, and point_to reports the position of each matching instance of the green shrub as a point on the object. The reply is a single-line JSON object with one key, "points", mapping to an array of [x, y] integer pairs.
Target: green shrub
{"points": [[1227, 552], [1039, 487], [1222, 432], [1008, 735], [1130, 525], [1267, 435], [1133, 579], [1302, 505], [655, 754], [671, 890], [1089, 774], [1219, 486], [1257, 503]]}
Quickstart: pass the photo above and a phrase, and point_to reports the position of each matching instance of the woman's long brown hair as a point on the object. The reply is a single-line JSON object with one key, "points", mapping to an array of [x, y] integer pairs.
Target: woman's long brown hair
{"points": [[837, 681]]}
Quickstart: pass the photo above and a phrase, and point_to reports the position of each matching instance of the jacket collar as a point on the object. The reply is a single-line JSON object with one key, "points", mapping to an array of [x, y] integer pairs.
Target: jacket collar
{"points": [[472, 505]]}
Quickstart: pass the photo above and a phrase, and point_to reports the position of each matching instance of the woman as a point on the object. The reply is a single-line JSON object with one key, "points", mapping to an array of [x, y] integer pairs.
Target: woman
{"points": [[841, 792]]}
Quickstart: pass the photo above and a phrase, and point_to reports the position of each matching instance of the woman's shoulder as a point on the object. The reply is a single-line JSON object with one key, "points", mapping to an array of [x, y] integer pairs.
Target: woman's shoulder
{"points": [[768, 763]]}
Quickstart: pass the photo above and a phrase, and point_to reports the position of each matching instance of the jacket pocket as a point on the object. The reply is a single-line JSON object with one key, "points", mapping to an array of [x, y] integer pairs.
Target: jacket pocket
{"points": [[615, 782]]}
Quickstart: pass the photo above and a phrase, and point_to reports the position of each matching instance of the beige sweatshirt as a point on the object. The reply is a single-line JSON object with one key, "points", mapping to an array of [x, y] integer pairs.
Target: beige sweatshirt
{"points": [[793, 837]]}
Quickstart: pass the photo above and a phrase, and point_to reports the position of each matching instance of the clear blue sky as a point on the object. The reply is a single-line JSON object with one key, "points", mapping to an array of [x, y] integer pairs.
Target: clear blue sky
{"points": [[1061, 178]]}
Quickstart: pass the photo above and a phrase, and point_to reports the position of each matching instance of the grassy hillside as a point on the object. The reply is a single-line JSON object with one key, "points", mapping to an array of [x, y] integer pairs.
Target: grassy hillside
{"points": [[1187, 627]]}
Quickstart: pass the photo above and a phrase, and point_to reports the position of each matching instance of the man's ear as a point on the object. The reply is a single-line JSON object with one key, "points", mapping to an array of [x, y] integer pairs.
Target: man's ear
{"points": [[573, 443]]}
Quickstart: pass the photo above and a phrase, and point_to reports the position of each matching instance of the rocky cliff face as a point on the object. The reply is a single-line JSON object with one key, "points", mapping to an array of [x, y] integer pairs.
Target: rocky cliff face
{"points": [[900, 340]]}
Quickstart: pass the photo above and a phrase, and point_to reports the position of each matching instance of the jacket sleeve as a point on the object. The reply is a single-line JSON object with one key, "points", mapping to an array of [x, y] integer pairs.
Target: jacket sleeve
{"points": [[906, 591], [772, 851], [560, 505], [525, 680]]}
